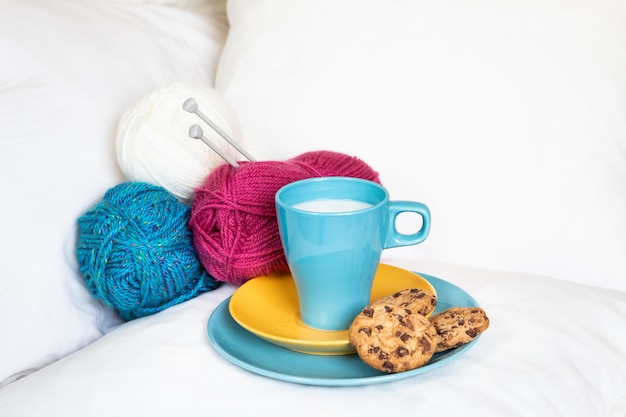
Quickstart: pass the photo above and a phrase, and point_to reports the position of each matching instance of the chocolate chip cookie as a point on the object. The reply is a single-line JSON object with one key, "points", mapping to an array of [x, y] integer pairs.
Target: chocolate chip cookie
{"points": [[419, 301], [457, 326], [392, 338]]}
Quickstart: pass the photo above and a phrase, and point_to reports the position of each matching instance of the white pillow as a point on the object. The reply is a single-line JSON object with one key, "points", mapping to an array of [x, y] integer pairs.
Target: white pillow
{"points": [[508, 119], [215, 9], [70, 69]]}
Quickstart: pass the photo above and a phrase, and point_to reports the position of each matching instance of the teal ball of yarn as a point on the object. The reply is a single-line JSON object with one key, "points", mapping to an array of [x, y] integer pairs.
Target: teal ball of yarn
{"points": [[135, 251]]}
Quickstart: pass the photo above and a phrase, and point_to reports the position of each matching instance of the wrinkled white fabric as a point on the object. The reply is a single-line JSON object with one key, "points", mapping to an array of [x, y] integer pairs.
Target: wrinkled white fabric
{"points": [[70, 68], [552, 349]]}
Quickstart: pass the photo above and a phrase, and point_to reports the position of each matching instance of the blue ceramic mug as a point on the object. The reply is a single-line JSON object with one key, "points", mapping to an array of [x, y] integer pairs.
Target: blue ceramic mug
{"points": [[333, 231]]}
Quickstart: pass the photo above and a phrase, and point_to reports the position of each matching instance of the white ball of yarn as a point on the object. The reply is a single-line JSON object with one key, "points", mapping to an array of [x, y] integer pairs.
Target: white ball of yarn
{"points": [[153, 145]]}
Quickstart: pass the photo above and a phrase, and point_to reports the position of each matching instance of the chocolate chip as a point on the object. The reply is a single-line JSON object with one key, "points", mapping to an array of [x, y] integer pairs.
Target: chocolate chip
{"points": [[472, 333], [366, 330], [388, 309], [369, 312], [426, 344], [402, 351], [373, 349], [409, 324], [379, 327], [389, 366], [403, 336]]}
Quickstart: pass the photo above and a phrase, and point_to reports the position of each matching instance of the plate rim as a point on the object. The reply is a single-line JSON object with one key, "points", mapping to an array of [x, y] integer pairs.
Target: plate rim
{"points": [[442, 359]]}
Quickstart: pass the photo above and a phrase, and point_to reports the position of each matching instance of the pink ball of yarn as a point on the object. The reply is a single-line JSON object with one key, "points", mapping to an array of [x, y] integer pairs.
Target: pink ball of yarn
{"points": [[233, 215]]}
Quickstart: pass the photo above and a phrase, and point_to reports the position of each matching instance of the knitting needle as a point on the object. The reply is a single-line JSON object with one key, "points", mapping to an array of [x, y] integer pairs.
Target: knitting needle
{"points": [[196, 132], [191, 105]]}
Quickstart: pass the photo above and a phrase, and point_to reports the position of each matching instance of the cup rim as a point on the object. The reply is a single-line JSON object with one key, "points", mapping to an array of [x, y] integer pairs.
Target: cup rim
{"points": [[280, 200]]}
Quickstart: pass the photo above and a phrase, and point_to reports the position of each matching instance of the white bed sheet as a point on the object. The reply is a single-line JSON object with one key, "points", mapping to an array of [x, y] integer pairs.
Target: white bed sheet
{"points": [[554, 348]]}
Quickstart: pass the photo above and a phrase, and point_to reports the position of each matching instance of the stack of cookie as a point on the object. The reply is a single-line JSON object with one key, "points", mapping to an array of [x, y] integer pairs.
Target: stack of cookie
{"points": [[396, 334]]}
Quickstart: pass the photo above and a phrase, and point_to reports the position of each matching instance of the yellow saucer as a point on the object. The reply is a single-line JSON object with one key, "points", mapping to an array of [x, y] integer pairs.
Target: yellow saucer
{"points": [[267, 306]]}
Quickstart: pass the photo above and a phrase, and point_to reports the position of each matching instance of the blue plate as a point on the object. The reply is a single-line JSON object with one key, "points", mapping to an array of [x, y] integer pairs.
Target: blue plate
{"points": [[254, 354]]}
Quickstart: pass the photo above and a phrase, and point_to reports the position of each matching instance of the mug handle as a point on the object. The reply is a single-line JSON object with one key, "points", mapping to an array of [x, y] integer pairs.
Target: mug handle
{"points": [[395, 238]]}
